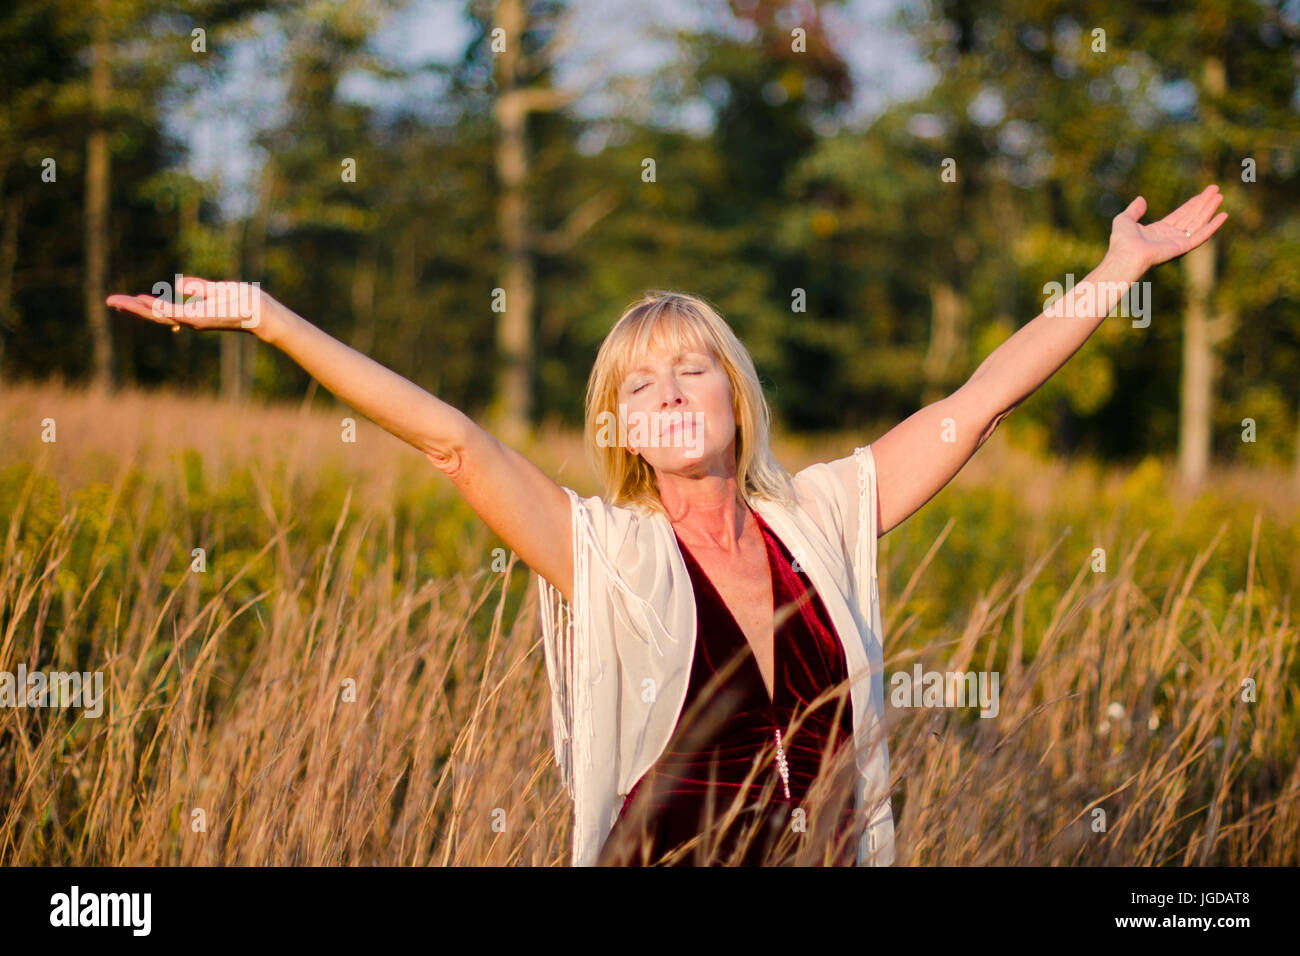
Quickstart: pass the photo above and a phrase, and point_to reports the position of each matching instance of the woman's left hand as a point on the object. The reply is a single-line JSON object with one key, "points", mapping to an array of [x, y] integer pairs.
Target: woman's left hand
{"points": [[1181, 231]]}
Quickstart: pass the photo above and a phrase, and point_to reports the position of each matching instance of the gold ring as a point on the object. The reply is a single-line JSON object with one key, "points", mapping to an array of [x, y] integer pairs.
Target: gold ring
{"points": [[176, 328]]}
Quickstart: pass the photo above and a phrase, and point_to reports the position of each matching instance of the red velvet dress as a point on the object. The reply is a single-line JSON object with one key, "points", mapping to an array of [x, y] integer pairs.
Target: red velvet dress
{"points": [[735, 719]]}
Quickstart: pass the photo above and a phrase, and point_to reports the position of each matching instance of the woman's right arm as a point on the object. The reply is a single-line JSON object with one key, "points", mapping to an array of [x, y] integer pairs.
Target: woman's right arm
{"points": [[526, 508]]}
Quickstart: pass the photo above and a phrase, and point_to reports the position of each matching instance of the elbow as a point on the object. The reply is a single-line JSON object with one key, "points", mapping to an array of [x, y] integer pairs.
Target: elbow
{"points": [[449, 460], [447, 451], [993, 425]]}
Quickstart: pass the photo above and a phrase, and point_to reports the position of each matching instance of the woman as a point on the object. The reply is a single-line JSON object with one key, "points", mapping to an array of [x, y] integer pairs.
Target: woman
{"points": [[660, 603]]}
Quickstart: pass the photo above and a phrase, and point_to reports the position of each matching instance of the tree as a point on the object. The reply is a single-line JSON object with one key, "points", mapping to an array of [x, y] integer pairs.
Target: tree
{"points": [[94, 286], [526, 40], [1108, 100]]}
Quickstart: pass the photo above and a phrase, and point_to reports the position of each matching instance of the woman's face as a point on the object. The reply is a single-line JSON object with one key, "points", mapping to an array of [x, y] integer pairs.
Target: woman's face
{"points": [[678, 413]]}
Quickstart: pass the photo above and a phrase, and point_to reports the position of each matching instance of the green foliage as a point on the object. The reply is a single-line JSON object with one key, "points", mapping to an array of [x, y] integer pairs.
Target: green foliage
{"points": [[997, 531], [1050, 138]]}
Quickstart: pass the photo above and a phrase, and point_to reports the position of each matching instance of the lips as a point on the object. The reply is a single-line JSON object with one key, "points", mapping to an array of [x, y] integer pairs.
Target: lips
{"points": [[671, 428]]}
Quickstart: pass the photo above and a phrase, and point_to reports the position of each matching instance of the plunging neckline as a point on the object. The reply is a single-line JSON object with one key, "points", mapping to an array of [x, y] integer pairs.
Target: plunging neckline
{"points": [[763, 532]]}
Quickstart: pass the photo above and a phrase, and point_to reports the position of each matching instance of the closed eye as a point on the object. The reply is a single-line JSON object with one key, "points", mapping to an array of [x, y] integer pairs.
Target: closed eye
{"points": [[690, 372]]}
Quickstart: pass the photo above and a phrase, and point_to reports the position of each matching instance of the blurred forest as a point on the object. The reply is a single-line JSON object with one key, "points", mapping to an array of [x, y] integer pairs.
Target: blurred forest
{"points": [[490, 234]]}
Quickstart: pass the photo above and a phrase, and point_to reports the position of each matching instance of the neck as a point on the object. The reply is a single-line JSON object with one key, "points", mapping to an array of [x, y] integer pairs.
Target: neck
{"points": [[705, 510]]}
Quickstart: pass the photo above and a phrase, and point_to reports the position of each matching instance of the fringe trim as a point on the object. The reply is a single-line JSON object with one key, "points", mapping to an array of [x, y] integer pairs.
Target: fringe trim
{"points": [[561, 637], [865, 524], [568, 645], [870, 848], [571, 658]]}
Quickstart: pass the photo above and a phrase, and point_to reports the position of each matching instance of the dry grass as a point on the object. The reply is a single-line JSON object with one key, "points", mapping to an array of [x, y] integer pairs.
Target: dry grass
{"points": [[333, 566]]}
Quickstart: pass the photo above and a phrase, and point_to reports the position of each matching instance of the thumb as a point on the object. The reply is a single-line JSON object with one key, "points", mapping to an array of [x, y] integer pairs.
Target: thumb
{"points": [[1135, 209], [193, 285]]}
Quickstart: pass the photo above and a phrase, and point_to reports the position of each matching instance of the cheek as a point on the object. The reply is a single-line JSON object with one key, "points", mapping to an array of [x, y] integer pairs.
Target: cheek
{"points": [[722, 406]]}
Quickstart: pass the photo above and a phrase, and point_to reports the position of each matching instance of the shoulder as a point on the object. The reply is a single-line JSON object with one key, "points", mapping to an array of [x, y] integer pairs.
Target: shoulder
{"points": [[834, 490], [621, 533]]}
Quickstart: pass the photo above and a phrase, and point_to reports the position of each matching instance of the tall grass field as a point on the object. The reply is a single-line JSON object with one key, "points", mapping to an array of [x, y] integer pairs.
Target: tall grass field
{"points": [[313, 652]]}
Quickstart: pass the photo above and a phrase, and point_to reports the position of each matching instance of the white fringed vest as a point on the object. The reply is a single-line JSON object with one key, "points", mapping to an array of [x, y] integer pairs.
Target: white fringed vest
{"points": [[619, 658]]}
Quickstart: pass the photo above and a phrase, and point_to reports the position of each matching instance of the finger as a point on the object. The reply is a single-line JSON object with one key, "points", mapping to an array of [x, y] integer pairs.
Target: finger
{"points": [[1199, 210], [1194, 212], [1209, 229], [132, 304], [145, 306], [1206, 211], [164, 310], [1135, 209], [193, 285], [124, 303]]}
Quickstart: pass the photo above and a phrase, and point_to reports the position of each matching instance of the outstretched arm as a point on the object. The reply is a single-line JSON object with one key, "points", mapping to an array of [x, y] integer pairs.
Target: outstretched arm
{"points": [[919, 456], [517, 500]]}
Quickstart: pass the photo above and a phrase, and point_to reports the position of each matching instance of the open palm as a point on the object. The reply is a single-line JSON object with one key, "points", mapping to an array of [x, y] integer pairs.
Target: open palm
{"points": [[1179, 232], [207, 305]]}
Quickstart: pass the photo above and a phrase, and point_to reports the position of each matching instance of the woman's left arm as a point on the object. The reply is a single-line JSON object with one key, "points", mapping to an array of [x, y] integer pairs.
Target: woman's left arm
{"points": [[919, 456]]}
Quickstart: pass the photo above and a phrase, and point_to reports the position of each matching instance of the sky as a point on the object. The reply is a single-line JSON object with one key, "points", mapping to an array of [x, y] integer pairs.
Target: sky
{"points": [[607, 41]]}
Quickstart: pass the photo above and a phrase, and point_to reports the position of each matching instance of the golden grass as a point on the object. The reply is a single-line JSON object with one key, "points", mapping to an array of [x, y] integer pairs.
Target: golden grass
{"points": [[333, 566]]}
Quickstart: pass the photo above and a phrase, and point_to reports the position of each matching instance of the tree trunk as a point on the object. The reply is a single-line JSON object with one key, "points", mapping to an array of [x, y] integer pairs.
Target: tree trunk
{"points": [[95, 281], [1195, 423], [1296, 474], [513, 405], [13, 214], [364, 275], [947, 339], [239, 351], [235, 230]]}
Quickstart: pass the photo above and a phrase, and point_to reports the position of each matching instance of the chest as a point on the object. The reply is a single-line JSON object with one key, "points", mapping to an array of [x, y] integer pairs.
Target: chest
{"points": [[744, 582]]}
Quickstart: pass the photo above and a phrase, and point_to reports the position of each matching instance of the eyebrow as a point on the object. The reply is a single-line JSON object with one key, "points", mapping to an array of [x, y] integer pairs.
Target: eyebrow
{"points": [[676, 358]]}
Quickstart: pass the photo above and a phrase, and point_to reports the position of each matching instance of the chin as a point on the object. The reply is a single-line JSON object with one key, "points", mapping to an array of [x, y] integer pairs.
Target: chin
{"points": [[686, 460]]}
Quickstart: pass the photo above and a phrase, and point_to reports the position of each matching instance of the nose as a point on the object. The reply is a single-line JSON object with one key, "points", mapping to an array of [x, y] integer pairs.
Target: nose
{"points": [[670, 394]]}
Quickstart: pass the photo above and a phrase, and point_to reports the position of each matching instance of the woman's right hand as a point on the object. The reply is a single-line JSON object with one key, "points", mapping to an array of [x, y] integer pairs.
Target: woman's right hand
{"points": [[206, 305], [527, 508]]}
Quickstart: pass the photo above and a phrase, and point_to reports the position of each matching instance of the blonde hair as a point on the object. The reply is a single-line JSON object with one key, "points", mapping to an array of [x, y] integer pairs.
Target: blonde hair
{"points": [[678, 321]]}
